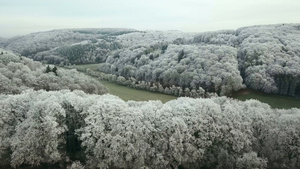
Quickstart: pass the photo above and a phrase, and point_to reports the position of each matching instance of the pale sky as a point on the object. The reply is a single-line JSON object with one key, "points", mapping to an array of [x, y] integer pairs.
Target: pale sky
{"points": [[19, 17]]}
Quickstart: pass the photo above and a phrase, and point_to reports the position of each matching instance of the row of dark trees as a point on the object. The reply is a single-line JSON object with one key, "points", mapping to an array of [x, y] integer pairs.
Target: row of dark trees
{"points": [[288, 84]]}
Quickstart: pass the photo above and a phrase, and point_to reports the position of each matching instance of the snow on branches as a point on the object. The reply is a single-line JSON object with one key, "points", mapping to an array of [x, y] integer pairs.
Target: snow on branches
{"points": [[108, 132]]}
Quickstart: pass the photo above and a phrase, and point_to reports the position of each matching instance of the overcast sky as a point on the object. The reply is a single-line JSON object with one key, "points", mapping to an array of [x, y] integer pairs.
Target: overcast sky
{"points": [[19, 17]]}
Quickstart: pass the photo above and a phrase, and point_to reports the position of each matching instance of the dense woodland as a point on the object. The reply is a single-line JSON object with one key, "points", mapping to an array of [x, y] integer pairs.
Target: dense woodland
{"points": [[59, 127], [264, 58], [51, 117]]}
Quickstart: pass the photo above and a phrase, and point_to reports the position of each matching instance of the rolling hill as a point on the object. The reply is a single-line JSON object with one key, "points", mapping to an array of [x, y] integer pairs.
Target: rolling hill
{"points": [[263, 57]]}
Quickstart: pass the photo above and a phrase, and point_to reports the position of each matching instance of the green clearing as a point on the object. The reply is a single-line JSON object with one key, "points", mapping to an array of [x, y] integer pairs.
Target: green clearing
{"points": [[274, 100], [127, 93]]}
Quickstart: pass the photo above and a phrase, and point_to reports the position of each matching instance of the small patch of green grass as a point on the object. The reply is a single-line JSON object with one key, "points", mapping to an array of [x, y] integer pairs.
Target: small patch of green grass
{"points": [[274, 100], [127, 93]]}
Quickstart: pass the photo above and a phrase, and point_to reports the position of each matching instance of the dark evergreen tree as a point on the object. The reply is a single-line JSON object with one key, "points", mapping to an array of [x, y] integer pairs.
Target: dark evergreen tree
{"points": [[54, 70], [98, 60], [292, 88], [180, 56], [164, 48], [48, 69], [151, 57]]}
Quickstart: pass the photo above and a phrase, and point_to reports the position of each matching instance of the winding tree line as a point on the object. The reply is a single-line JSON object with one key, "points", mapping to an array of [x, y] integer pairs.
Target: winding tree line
{"points": [[154, 87]]}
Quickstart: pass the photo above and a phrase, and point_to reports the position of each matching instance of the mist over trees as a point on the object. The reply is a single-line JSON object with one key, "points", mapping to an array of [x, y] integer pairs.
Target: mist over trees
{"points": [[104, 131], [18, 73], [264, 58]]}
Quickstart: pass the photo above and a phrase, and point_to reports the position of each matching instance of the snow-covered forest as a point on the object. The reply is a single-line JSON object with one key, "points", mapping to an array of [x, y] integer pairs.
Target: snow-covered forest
{"points": [[54, 117], [19, 73], [104, 131], [264, 58], [68, 45]]}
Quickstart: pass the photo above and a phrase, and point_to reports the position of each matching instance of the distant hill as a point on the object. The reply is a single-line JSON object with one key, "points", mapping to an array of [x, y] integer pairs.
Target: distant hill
{"points": [[34, 43], [263, 57], [79, 46]]}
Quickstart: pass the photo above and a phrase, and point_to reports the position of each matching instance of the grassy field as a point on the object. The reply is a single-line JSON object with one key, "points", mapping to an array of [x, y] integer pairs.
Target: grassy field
{"points": [[275, 101], [126, 93]]}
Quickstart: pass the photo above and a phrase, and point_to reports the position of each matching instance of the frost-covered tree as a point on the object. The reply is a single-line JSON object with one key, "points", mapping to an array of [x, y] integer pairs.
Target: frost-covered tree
{"points": [[40, 127], [38, 137], [76, 165], [250, 161]]}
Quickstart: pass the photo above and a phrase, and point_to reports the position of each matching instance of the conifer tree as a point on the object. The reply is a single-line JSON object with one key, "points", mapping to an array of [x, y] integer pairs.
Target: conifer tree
{"points": [[55, 70], [48, 69]]}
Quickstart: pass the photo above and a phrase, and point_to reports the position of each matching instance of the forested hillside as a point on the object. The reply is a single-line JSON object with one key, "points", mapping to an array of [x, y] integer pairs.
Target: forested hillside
{"points": [[265, 58], [67, 45], [214, 68], [18, 73], [103, 131]]}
